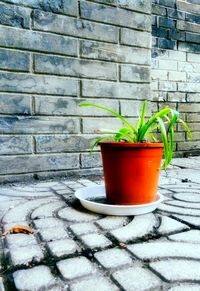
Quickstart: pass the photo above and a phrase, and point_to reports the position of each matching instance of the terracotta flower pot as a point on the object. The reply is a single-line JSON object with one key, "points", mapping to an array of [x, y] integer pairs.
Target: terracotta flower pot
{"points": [[131, 171]]}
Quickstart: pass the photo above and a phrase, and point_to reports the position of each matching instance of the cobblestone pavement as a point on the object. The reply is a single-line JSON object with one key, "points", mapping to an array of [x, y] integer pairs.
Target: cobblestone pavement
{"points": [[72, 249]]}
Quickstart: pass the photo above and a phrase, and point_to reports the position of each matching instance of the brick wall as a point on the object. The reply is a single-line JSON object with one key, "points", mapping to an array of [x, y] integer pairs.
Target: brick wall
{"points": [[54, 55], [176, 65]]}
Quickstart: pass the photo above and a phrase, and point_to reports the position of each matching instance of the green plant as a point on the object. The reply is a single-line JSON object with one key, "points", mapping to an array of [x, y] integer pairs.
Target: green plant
{"points": [[164, 120]]}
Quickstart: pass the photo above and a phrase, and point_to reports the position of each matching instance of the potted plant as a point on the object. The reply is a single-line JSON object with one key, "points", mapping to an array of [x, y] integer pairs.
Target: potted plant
{"points": [[132, 155]]}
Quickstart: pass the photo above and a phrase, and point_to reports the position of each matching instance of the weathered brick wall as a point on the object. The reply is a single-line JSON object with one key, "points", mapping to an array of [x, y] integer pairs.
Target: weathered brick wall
{"points": [[54, 55], [176, 64]]}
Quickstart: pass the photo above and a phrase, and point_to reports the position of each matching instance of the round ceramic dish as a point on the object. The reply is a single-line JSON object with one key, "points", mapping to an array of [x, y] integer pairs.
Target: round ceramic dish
{"points": [[89, 197]]}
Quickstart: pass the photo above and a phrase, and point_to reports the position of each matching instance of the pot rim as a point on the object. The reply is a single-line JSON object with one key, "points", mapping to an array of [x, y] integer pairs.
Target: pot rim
{"points": [[132, 144]]}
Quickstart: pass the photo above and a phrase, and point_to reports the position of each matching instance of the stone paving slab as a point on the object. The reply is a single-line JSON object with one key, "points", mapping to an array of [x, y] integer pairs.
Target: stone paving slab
{"points": [[76, 250]]}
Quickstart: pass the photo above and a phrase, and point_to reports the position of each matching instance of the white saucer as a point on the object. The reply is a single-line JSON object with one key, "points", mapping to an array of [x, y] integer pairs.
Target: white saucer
{"points": [[87, 194]]}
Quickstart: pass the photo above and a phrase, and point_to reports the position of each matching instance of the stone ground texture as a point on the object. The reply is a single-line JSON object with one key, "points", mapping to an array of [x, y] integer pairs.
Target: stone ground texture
{"points": [[74, 249]]}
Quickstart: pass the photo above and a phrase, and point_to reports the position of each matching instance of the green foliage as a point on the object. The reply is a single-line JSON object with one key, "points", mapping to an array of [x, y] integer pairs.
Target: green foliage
{"points": [[143, 130]]}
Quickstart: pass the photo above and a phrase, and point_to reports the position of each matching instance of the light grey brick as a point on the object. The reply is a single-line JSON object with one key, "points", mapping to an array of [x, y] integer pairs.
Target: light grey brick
{"points": [[62, 247], [48, 234], [74, 67], [115, 16], [19, 213], [184, 6], [112, 222], [63, 143], [47, 210], [188, 26], [169, 225], [139, 227], [93, 283], [70, 106], [185, 287], [189, 67], [192, 97], [92, 125], [164, 104], [136, 5], [189, 107], [77, 215], [158, 96], [14, 16], [115, 90], [154, 63], [135, 38], [177, 56], [158, 10], [170, 270], [14, 60], [25, 279], [159, 75], [75, 267], [69, 7], [114, 52], [25, 255], [89, 161], [137, 278], [159, 250], [37, 163], [177, 76], [194, 126], [187, 146], [176, 97], [193, 77], [133, 108], [192, 236], [193, 58], [83, 228], [192, 117], [37, 41], [154, 85], [20, 240], [48, 222], [195, 136], [189, 87], [56, 6], [168, 65], [12, 82], [95, 240], [15, 104], [113, 258], [167, 86], [31, 124], [11, 145], [134, 73], [74, 27]]}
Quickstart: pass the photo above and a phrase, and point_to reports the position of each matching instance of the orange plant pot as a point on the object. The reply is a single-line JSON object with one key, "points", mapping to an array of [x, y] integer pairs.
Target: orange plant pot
{"points": [[131, 171]]}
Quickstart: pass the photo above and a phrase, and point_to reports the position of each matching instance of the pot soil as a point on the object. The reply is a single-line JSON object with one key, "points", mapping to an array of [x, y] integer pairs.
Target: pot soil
{"points": [[131, 171]]}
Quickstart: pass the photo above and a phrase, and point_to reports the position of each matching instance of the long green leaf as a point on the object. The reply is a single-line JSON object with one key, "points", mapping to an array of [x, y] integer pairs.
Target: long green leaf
{"points": [[152, 137], [175, 117], [98, 140], [165, 141], [113, 113], [186, 127], [142, 118], [152, 121]]}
